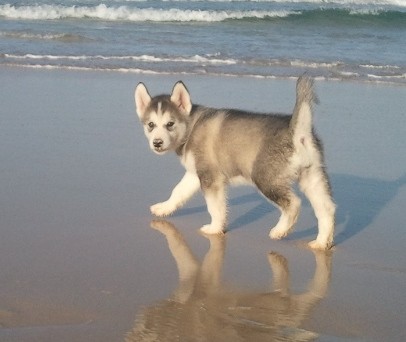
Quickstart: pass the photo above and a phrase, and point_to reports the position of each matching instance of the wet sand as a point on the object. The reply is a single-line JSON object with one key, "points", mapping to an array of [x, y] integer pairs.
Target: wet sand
{"points": [[81, 258]]}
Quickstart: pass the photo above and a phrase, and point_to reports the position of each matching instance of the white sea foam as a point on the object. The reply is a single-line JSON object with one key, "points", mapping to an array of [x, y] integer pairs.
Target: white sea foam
{"points": [[369, 77], [124, 13], [44, 57], [400, 3], [142, 58], [370, 66], [402, 76], [313, 65], [63, 37]]}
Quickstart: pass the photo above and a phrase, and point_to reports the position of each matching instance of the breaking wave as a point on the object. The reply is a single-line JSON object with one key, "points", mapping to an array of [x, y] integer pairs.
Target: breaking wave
{"points": [[124, 13], [135, 14]]}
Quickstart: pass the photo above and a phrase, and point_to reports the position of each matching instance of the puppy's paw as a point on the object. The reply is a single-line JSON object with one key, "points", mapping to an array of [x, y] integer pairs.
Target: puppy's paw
{"points": [[317, 245], [212, 229], [162, 209], [277, 234]]}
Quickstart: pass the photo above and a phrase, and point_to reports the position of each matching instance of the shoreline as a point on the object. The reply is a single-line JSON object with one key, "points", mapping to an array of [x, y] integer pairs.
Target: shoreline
{"points": [[135, 71]]}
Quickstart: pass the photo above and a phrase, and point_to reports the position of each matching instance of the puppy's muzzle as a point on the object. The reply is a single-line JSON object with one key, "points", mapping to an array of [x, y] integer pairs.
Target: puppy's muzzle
{"points": [[158, 143]]}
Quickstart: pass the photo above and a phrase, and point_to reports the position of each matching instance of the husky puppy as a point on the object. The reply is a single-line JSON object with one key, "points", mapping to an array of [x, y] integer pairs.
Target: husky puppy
{"points": [[222, 146]]}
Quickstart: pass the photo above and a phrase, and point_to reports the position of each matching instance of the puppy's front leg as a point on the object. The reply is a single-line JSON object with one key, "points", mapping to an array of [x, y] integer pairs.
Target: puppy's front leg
{"points": [[183, 191], [215, 197]]}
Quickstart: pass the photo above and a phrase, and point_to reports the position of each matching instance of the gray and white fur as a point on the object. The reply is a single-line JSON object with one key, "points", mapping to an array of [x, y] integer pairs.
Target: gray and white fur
{"points": [[218, 147]]}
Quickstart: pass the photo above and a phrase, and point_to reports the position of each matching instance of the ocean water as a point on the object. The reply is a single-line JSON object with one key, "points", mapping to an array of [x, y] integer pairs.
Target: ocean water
{"points": [[362, 40]]}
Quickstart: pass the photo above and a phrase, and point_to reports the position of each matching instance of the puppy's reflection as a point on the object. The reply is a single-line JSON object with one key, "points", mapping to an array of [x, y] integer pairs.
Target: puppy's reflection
{"points": [[201, 309]]}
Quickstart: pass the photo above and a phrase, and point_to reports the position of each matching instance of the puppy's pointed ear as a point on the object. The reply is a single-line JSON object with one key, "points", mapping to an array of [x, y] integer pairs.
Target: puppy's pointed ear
{"points": [[142, 99], [181, 98]]}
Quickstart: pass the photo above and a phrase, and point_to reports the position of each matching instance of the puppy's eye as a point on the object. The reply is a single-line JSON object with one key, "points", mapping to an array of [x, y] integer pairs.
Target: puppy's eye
{"points": [[170, 124], [151, 125]]}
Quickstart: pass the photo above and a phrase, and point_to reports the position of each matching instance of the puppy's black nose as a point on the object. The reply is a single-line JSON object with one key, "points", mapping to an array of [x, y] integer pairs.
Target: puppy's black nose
{"points": [[157, 143]]}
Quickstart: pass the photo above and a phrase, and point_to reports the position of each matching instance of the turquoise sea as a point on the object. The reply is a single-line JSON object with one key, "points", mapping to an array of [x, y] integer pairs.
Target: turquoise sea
{"points": [[363, 40]]}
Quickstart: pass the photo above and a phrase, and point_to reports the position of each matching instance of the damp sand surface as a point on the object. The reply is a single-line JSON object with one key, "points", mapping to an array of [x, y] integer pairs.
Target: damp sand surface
{"points": [[82, 259]]}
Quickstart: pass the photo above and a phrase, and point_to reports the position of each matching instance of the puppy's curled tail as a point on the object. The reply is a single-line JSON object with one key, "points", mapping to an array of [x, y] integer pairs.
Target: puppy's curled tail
{"points": [[302, 114]]}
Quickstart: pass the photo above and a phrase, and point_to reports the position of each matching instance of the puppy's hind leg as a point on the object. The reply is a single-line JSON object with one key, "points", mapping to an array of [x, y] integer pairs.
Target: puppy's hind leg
{"points": [[314, 183], [289, 205]]}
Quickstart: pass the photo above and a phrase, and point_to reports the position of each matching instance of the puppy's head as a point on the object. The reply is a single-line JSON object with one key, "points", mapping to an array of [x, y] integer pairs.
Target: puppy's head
{"points": [[164, 117]]}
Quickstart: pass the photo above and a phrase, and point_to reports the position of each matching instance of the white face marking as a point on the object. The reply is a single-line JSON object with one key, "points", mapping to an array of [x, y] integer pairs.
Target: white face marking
{"points": [[159, 109], [163, 131]]}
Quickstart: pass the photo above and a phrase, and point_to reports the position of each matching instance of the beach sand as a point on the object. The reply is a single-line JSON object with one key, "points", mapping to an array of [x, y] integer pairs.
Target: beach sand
{"points": [[82, 260]]}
